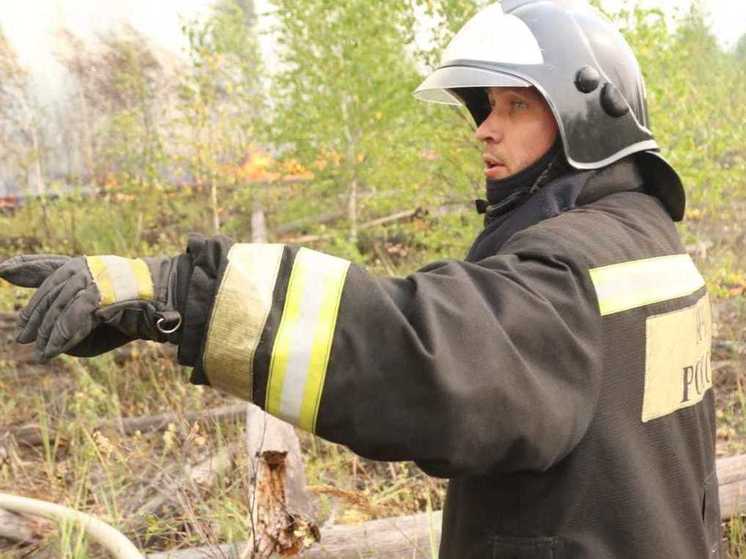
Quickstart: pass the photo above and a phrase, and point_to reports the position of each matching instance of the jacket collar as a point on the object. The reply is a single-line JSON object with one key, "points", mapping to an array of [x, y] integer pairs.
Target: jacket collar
{"points": [[507, 194], [560, 195]]}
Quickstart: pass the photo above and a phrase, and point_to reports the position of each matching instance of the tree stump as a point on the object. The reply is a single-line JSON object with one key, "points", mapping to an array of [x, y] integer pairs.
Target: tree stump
{"points": [[281, 508]]}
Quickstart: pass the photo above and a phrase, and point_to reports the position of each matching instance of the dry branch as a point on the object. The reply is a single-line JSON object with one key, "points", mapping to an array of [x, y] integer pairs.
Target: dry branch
{"points": [[321, 219], [397, 217], [293, 226], [22, 529], [31, 435], [200, 476]]}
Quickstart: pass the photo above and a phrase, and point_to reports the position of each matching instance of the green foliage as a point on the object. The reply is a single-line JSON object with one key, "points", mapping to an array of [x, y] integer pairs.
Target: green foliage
{"points": [[696, 99], [171, 148], [344, 110]]}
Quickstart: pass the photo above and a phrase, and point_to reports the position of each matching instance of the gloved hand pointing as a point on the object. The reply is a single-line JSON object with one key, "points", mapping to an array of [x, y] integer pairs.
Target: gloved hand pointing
{"points": [[30, 270], [90, 304]]}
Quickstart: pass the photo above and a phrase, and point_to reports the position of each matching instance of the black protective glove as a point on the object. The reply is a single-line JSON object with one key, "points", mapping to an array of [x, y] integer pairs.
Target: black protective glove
{"points": [[91, 304]]}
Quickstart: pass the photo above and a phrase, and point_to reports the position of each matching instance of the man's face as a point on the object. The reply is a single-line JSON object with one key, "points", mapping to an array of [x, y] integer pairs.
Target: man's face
{"points": [[517, 133]]}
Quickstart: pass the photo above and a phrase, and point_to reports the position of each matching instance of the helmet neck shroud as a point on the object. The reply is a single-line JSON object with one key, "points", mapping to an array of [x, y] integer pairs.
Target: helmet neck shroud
{"points": [[506, 194]]}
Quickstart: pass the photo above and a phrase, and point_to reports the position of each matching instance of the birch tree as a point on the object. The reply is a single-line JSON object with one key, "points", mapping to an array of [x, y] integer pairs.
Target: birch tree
{"points": [[221, 97], [342, 98], [343, 107]]}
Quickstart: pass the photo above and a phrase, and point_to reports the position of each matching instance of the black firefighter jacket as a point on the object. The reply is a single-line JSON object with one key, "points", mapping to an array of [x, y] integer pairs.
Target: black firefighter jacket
{"points": [[559, 377]]}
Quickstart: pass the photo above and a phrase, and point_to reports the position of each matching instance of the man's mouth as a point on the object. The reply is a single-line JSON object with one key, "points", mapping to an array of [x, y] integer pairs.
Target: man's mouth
{"points": [[493, 167]]}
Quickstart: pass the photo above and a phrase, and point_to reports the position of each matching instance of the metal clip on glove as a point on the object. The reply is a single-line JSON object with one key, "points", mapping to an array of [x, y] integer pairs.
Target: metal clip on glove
{"points": [[88, 305]]}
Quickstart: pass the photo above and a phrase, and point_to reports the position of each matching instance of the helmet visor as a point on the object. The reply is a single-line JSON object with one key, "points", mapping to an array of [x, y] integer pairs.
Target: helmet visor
{"points": [[491, 38], [436, 86]]}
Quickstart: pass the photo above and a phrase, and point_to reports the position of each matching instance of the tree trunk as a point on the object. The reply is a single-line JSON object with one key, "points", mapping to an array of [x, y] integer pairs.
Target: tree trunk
{"points": [[352, 211], [351, 167], [39, 182], [212, 157], [87, 141], [37, 176], [258, 221]]}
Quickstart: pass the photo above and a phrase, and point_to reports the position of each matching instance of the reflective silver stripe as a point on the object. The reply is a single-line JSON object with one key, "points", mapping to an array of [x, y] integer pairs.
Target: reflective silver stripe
{"points": [[301, 350], [239, 315], [299, 360], [120, 279], [637, 283], [123, 281]]}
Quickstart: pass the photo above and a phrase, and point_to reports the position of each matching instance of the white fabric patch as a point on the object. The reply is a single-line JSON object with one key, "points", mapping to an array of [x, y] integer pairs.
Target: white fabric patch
{"points": [[677, 360]]}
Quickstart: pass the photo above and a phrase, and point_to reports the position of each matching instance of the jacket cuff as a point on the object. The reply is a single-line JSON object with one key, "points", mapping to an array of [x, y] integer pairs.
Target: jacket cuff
{"points": [[203, 268]]}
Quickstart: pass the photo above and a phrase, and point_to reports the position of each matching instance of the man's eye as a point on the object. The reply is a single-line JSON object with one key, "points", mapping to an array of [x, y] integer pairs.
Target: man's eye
{"points": [[519, 105]]}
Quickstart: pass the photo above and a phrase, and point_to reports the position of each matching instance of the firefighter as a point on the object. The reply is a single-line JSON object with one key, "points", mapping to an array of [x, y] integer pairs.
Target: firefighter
{"points": [[559, 376]]}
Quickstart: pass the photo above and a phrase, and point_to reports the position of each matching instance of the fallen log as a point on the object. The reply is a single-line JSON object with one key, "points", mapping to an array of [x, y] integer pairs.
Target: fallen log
{"points": [[403, 537], [8, 321], [730, 346], [417, 536], [699, 249], [732, 490], [293, 226]]}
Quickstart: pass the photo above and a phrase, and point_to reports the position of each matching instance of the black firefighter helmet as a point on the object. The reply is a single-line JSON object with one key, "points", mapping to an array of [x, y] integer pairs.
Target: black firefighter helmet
{"points": [[582, 66]]}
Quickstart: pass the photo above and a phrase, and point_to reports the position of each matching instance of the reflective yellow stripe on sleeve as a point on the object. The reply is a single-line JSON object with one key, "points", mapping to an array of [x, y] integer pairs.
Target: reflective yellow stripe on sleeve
{"points": [[97, 267], [301, 350], [239, 315], [143, 279], [120, 279], [628, 285]]}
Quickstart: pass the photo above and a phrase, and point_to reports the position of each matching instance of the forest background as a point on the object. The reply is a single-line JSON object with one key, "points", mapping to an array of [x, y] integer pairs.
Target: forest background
{"points": [[326, 147]]}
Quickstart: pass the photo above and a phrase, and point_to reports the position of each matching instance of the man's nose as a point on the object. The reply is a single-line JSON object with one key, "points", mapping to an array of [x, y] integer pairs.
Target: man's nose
{"points": [[491, 129]]}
